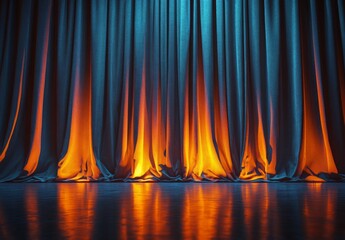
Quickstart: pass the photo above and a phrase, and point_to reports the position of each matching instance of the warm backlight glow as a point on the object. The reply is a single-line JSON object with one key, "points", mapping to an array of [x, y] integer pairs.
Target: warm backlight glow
{"points": [[142, 147], [19, 98], [172, 91], [79, 163], [316, 155], [254, 163], [147, 133], [35, 150], [201, 157]]}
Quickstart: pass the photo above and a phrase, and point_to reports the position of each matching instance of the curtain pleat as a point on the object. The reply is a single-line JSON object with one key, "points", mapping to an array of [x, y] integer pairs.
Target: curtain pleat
{"points": [[142, 90]]}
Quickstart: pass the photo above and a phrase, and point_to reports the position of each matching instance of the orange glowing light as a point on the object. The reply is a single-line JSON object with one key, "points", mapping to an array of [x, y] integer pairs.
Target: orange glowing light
{"points": [[203, 159], [141, 164], [19, 98], [158, 137], [316, 154], [35, 150], [222, 132], [189, 149], [254, 164], [79, 163], [206, 151], [127, 143], [273, 142], [148, 153]]}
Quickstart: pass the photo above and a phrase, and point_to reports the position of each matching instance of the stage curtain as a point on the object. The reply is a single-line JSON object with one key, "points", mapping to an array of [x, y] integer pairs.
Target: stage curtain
{"points": [[172, 90]]}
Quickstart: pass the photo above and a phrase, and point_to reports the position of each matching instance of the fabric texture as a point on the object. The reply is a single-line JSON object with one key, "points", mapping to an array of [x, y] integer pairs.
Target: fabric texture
{"points": [[172, 90]]}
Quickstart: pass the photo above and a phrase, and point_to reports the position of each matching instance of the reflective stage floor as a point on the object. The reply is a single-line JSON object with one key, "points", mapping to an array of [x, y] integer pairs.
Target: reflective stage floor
{"points": [[172, 210]]}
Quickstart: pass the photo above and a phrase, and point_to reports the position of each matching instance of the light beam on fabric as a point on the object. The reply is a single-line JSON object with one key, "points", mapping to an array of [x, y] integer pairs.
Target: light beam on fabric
{"points": [[172, 90]]}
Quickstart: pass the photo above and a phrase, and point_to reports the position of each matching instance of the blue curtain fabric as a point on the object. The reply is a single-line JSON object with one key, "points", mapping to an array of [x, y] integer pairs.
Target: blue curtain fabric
{"points": [[172, 90]]}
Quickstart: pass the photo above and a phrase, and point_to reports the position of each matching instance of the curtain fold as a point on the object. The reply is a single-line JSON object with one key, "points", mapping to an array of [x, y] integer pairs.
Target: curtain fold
{"points": [[172, 90]]}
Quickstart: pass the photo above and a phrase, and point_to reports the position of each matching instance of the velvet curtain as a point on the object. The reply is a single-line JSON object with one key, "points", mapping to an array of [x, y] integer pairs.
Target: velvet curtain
{"points": [[172, 90]]}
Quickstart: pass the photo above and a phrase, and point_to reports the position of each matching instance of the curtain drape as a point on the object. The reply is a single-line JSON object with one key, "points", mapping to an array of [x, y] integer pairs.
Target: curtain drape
{"points": [[172, 90]]}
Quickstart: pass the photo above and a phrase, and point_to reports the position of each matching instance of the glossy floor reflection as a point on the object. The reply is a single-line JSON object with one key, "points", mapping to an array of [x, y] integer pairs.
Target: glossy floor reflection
{"points": [[172, 210]]}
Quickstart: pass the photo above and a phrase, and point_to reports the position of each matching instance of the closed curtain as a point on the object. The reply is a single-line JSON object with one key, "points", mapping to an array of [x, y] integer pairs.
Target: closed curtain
{"points": [[172, 90]]}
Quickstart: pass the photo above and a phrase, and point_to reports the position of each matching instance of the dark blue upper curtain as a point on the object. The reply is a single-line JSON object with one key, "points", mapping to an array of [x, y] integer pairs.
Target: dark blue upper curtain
{"points": [[172, 90]]}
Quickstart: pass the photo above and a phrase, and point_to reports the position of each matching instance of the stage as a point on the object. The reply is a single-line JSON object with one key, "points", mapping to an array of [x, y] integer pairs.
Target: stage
{"points": [[172, 210], [98, 97]]}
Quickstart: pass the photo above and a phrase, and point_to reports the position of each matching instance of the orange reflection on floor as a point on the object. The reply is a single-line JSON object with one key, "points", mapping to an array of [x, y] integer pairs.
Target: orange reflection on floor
{"points": [[3, 230], [32, 214], [255, 208], [146, 212], [312, 209], [76, 210], [205, 215], [172, 210]]}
